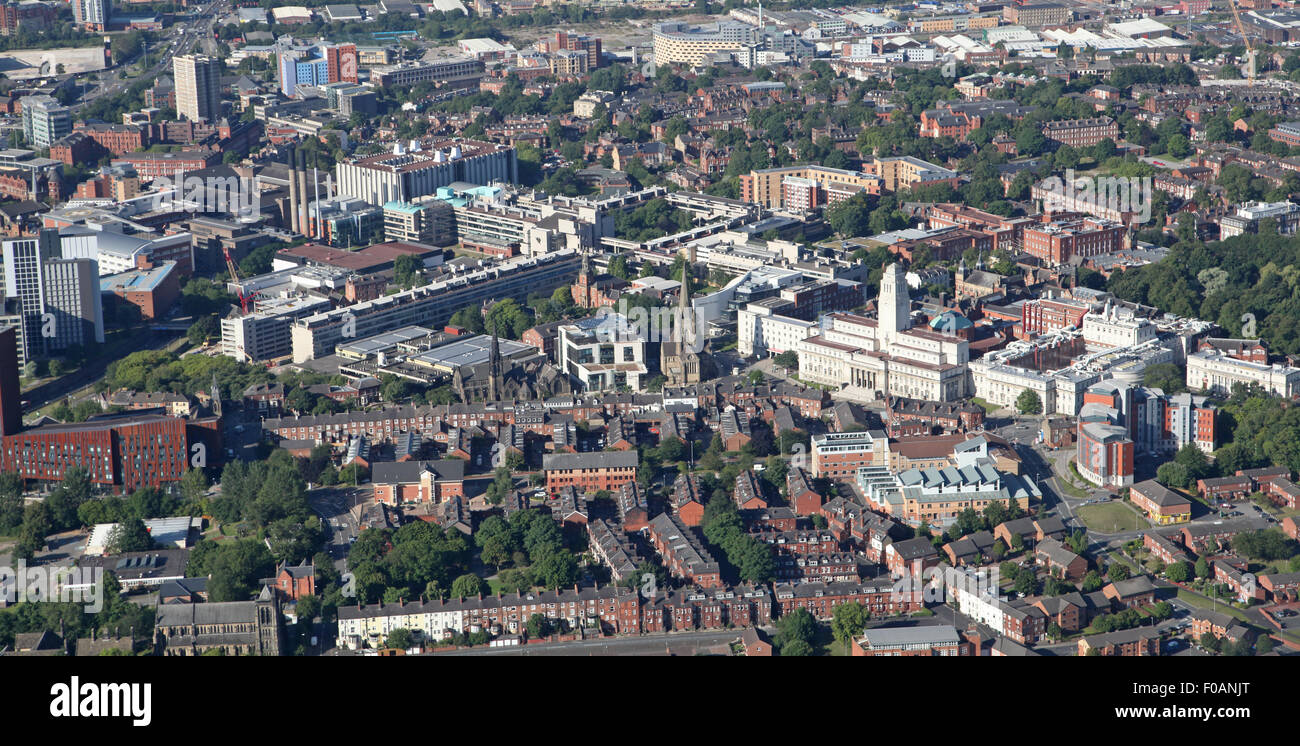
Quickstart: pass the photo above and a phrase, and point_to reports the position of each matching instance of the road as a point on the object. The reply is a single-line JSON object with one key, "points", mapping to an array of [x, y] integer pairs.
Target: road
{"points": [[656, 644], [188, 34], [59, 388], [334, 505]]}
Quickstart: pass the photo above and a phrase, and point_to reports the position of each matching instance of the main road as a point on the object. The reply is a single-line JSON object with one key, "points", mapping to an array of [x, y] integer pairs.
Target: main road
{"points": [[187, 34]]}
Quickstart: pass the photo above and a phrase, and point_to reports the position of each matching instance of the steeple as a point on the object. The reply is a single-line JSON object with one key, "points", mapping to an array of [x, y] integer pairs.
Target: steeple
{"points": [[495, 379], [216, 395], [685, 330]]}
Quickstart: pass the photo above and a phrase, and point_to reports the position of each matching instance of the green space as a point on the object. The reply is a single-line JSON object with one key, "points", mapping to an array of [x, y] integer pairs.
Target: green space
{"points": [[1110, 517], [1201, 602]]}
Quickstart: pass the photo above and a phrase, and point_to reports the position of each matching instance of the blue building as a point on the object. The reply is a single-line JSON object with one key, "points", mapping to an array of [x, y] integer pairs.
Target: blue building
{"points": [[294, 72]]}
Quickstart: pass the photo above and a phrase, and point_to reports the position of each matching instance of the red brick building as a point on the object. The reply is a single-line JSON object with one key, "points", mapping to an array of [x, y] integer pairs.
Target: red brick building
{"points": [[154, 165], [416, 482], [799, 492], [294, 583], [589, 472], [117, 139], [1082, 133], [683, 553], [1057, 241]]}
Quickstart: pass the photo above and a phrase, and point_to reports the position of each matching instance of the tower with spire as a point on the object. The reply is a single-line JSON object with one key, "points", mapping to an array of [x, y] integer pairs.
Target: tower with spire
{"points": [[678, 359], [496, 380]]}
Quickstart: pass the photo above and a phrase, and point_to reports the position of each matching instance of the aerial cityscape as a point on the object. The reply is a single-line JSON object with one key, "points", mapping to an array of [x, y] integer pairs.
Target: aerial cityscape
{"points": [[649, 328]]}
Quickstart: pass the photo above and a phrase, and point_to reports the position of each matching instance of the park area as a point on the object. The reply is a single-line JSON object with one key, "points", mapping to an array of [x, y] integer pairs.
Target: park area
{"points": [[1110, 517]]}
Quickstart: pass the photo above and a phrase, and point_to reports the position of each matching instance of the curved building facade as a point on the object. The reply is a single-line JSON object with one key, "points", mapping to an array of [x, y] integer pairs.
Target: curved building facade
{"points": [[683, 43]]}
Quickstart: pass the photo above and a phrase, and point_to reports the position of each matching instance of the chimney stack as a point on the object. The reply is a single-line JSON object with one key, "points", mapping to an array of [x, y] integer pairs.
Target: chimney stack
{"points": [[293, 192], [305, 217]]}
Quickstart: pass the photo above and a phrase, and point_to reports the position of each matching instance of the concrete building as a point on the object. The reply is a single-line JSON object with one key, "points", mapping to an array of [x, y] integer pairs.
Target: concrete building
{"points": [[406, 175], [760, 331], [198, 87], [57, 299], [1211, 370], [45, 121], [886, 355], [427, 221], [603, 353], [432, 305]]}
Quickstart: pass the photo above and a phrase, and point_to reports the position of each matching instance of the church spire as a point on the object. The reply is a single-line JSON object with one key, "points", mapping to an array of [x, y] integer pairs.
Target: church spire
{"points": [[495, 379], [684, 308]]}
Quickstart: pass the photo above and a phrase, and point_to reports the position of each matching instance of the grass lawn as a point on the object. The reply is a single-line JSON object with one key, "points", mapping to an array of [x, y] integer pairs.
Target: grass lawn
{"points": [[1110, 517], [1201, 602], [1069, 488]]}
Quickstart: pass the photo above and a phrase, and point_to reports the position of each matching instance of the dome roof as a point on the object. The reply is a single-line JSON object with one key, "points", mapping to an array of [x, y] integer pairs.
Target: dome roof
{"points": [[950, 321]]}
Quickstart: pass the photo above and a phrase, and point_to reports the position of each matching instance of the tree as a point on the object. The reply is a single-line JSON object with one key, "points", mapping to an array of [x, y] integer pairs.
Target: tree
{"points": [[406, 270], [1092, 581], [1118, 571], [538, 626], [848, 621], [400, 639], [797, 648], [1203, 569], [788, 360], [1029, 403], [194, 486], [1178, 572], [129, 535], [468, 585], [1026, 583], [236, 567], [797, 626]]}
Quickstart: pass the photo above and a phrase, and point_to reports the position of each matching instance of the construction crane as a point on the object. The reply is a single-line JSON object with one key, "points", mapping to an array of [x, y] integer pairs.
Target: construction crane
{"points": [[244, 299], [1250, 51]]}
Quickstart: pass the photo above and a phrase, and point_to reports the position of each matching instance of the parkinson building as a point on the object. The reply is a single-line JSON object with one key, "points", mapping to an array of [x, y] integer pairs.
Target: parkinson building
{"points": [[886, 356]]}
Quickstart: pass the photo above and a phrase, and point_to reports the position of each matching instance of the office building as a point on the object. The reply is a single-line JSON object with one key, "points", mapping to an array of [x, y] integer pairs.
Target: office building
{"points": [[428, 221], [56, 301], [45, 121]]}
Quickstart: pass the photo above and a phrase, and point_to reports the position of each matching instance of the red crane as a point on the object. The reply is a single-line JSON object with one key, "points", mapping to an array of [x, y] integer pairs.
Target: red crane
{"points": [[234, 277]]}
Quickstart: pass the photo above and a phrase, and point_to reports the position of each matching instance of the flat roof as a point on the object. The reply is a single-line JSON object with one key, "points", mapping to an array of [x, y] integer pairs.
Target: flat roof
{"points": [[370, 257], [470, 351], [137, 280]]}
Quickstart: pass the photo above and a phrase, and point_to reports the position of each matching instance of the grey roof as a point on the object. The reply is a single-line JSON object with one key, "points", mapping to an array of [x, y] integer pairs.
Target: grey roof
{"points": [[1133, 586], [933, 634], [408, 472], [595, 460], [228, 612]]}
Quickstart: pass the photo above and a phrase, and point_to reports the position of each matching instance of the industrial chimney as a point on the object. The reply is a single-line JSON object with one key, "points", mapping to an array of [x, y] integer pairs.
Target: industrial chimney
{"points": [[304, 218], [293, 192]]}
